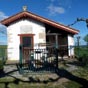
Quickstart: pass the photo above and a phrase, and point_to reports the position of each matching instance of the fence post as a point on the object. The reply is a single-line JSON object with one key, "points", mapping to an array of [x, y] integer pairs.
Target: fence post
{"points": [[20, 61], [20, 54], [56, 55], [78, 38]]}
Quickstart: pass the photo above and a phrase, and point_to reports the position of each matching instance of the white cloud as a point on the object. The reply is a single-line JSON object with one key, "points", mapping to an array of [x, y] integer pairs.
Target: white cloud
{"points": [[55, 9], [3, 35], [2, 15], [2, 27], [59, 6], [65, 3], [2, 30]]}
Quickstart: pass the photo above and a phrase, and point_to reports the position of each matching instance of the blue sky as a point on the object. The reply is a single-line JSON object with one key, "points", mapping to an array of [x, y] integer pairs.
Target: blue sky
{"points": [[62, 11]]}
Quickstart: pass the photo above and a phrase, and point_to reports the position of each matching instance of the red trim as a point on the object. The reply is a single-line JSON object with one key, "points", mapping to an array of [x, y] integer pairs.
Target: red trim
{"points": [[26, 34], [26, 14]]}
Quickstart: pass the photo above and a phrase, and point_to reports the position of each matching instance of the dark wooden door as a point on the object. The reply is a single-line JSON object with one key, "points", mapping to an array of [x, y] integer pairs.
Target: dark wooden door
{"points": [[27, 43]]}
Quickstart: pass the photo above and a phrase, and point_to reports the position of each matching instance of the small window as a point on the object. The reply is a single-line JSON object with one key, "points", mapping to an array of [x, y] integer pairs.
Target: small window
{"points": [[27, 41]]}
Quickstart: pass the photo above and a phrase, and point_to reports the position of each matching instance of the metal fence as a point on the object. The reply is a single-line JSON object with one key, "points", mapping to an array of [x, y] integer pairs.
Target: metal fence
{"points": [[35, 60]]}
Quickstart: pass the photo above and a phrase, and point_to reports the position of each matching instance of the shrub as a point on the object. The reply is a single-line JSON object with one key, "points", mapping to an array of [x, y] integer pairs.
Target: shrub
{"points": [[1, 64], [83, 59]]}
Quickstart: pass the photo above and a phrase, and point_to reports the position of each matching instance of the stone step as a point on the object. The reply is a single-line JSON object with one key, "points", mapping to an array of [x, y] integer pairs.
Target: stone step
{"points": [[8, 68]]}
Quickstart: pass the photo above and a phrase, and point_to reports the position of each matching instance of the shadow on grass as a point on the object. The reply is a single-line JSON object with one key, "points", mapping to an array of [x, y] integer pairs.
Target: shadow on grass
{"points": [[68, 75], [76, 63], [2, 74], [62, 73]]}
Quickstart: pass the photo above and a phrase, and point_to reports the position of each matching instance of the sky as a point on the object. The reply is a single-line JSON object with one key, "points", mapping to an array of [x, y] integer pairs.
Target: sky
{"points": [[61, 11]]}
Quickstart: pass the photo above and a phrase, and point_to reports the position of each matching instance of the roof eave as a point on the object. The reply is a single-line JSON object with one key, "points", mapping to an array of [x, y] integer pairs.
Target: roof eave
{"points": [[24, 14]]}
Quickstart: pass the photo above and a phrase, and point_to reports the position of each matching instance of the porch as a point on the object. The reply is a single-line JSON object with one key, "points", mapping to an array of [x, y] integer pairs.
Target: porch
{"points": [[57, 38]]}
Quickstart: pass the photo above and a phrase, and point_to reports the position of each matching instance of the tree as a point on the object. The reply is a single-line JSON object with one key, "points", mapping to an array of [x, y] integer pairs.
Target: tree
{"points": [[86, 39], [78, 20]]}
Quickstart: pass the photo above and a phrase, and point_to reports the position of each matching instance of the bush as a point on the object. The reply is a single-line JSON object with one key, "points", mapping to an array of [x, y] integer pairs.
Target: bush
{"points": [[1, 64], [83, 59]]}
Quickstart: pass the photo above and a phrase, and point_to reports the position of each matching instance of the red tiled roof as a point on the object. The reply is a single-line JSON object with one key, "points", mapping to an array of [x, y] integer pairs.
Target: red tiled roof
{"points": [[27, 14]]}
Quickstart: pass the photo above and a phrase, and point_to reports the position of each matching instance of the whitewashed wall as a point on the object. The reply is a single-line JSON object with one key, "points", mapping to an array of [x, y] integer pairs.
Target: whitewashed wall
{"points": [[70, 43], [23, 27]]}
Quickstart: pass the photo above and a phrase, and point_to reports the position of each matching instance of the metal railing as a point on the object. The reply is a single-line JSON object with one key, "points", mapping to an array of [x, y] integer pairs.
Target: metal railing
{"points": [[38, 60], [43, 59]]}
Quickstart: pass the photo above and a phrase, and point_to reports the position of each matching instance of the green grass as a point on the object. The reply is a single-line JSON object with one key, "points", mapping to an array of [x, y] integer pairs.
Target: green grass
{"points": [[72, 84], [81, 72], [3, 46], [82, 55], [2, 85], [27, 85], [6, 79], [1, 65], [81, 51], [13, 83], [3, 52]]}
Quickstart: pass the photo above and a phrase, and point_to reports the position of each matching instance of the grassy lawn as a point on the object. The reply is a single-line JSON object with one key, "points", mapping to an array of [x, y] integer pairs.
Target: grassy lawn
{"points": [[72, 84], [82, 72], [81, 51], [11, 82], [3, 51], [27, 85], [44, 81]]}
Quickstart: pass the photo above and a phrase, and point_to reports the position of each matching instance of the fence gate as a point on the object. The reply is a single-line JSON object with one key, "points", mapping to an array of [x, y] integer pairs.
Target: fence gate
{"points": [[37, 60]]}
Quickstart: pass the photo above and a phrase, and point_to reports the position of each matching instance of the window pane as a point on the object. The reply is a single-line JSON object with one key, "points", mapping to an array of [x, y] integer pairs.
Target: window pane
{"points": [[27, 42]]}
